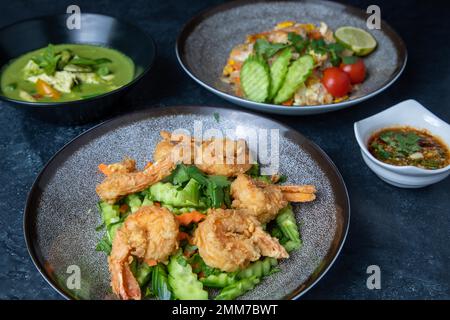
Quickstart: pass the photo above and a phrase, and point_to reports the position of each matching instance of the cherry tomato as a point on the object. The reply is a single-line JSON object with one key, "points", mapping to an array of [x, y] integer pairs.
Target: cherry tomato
{"points": [[336, 81], [356, 71]]}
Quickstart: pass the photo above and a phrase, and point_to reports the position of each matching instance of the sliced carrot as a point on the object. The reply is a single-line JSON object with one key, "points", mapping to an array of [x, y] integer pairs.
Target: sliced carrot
{"points": [[182, 236], [124, 208], [288, 103], [148, 165], [157, 204], [104, 168], [190, 217], [45, 89], [151, 262]]}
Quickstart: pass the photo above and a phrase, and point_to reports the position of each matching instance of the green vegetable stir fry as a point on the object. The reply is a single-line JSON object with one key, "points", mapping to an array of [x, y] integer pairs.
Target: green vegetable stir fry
{"points": [[194, 235]]}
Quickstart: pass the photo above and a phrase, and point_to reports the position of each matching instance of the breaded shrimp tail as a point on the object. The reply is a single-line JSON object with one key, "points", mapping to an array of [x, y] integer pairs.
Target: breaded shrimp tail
{"points": [[150, 234], [123, 282], [118, 185], [263, 200]]}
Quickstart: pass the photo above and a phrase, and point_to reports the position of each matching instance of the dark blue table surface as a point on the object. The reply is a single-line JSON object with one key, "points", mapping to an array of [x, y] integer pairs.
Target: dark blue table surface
{"points": [[405, 232]]}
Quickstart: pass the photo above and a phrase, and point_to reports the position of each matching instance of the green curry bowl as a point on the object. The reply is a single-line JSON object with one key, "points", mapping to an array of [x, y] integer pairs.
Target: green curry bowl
{"points": [[71, 75]]}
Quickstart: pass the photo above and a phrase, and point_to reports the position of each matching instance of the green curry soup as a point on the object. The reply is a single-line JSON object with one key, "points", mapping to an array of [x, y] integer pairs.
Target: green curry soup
{"points": [[409, 147], [66, 72]]}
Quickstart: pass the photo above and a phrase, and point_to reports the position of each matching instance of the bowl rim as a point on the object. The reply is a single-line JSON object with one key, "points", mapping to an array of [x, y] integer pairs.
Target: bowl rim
{"points": [[107, 125], [98, 97], [192, 23], [405, 170]]}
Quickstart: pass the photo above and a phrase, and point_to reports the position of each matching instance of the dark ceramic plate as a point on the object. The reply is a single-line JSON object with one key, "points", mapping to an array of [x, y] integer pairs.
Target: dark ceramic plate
{"points": [[95, 29], [61, 216], [205, 42]]}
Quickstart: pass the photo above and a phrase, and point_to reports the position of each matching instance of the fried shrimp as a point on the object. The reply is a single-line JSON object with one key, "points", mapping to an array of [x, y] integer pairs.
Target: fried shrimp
{"points": [[149, 234], [178, 146], [121, 184], [127, 165], [264, 200], [230, 239], [224, 157], [216, 156]]}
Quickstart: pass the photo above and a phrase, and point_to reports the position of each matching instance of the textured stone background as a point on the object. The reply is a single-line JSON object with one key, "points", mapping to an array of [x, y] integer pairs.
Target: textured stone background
{"points": [[405, 232]]}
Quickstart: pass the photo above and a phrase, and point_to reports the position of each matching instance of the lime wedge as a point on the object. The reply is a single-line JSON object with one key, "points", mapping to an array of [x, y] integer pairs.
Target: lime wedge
{"points": [[358, 40]]}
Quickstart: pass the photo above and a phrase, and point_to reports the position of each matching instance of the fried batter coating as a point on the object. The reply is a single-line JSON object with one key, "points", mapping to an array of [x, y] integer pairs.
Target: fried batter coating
{"points": [[127, 165], [230, 239], [216, 156], [224, 157], [149, 234], [118, 185], [264, 200]]}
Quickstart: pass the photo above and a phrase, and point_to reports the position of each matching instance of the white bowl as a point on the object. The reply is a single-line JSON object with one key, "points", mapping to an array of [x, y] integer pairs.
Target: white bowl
{"points": [[407, 113]]}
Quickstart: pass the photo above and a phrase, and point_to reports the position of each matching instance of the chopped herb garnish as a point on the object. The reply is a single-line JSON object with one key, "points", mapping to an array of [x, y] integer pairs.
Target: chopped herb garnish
{"points": [[266, 49], [409, 147], [349, 60], [319, 46], [48, 61]]}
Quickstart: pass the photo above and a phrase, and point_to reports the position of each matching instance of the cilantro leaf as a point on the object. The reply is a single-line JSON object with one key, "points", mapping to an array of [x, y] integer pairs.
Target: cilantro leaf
{"points": [[298, 42], [334, 50], [266, 49], [319, 46]]}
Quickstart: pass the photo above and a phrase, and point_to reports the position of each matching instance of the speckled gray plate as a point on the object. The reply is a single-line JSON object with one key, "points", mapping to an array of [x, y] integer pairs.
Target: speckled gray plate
{"points": [[205, 42], [61, 215]]}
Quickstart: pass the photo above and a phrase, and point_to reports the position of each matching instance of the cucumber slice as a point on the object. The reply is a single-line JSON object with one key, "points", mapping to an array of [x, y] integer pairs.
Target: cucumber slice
{"points": [[278, 71], [184, 283], [221, 280], [260, 268], [112, 229], [134, 202], [288, 226], [255, 79], [238, 288], [297, 74], [110, 213]]}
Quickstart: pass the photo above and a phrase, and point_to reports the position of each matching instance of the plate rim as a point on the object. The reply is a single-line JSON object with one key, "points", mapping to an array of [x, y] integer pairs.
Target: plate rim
{"points": [[109, 125], [193, 22]]}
